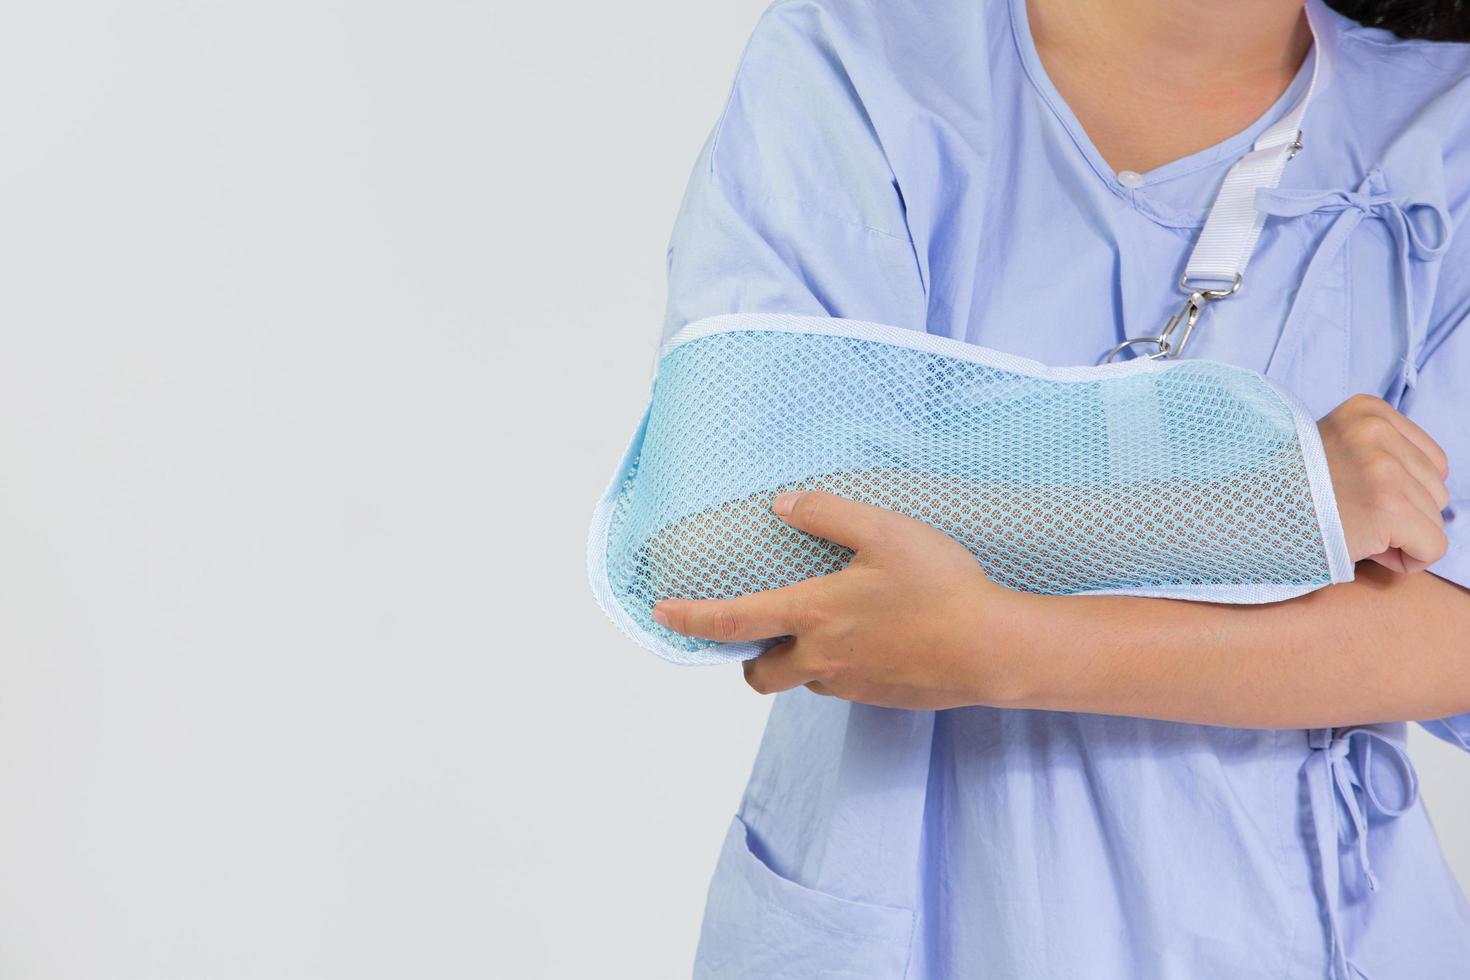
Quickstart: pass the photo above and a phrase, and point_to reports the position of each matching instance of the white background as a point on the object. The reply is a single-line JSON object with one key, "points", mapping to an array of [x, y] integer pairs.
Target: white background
{"points": [[321, 327]]}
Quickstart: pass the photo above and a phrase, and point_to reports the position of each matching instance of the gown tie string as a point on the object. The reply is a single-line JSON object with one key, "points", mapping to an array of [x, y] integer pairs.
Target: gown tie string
{"points": [[1420, 230], [1367, 771]]}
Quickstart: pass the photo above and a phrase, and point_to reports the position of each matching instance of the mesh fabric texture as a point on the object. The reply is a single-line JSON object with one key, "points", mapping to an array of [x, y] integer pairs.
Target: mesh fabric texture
{"points": [[1184, 479]]}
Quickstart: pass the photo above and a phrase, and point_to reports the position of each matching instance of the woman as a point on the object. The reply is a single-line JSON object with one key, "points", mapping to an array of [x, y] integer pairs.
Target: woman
{"points": [[1116, 787]]}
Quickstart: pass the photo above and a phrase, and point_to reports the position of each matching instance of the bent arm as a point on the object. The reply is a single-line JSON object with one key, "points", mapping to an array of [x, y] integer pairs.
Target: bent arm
{"points": [[1384, 647], [1028, 537]]}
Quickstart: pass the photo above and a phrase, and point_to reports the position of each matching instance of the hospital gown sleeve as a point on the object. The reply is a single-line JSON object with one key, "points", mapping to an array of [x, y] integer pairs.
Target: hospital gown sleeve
{"points": [[1438, 402], [791, 206]]}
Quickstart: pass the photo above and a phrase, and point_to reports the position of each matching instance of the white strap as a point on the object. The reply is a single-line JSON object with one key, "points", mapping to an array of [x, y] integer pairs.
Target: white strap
{"points": [[1230, 232]]}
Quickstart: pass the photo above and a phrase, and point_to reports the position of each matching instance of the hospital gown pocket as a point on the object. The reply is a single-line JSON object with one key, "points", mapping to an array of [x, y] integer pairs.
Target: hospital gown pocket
{"points": [[760, 924]]}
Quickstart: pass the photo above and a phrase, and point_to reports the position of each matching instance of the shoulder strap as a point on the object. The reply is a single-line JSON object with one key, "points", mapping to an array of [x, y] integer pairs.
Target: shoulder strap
{"points": [[1216, 266], [1229, 236]]}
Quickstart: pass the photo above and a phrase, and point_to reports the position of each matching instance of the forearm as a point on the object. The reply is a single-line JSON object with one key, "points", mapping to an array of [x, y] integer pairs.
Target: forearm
{"points": [[1386, 647], [1000, 521]]}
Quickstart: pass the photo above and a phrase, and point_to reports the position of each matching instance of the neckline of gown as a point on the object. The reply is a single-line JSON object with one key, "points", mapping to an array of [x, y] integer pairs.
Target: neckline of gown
{"points": [[1220, 154]]}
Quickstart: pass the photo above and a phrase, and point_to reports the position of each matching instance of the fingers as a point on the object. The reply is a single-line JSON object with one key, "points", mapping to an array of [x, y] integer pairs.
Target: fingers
{"points": [[1422, 469], [1424, 457], [778, 612], [1402, 475], [754, 617], [848, 522], [1411, 525], [1392, 559], [1392, 478], [1410, 521], [1420, 439], [1417, 539], [778, 669], [758, 616], [1428, 470], [1420, 538]]}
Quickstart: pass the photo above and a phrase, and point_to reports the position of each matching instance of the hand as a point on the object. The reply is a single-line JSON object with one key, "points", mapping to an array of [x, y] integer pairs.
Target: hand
{"points": [[911, 622], [1389, 480]]}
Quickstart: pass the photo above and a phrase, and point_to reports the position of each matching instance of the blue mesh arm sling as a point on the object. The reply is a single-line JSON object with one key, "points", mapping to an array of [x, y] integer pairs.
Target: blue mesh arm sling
{"points": [[1186, 479]]}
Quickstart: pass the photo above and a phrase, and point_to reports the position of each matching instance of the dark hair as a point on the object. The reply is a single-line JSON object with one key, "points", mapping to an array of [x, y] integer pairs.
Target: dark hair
{"points": [[1433, 20]]}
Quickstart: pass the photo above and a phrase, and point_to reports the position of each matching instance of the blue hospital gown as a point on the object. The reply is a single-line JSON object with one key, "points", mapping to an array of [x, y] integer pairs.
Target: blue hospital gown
{"points": [[911, 163]]}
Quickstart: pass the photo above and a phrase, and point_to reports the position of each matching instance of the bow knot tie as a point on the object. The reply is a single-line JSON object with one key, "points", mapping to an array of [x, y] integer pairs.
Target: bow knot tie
{"points": [[1425, 225], [1420, 229], [1367, 771], [1370, 772]]}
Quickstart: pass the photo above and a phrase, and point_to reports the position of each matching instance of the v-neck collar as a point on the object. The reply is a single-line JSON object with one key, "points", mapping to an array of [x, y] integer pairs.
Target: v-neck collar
{"points": [[1229, 149]]}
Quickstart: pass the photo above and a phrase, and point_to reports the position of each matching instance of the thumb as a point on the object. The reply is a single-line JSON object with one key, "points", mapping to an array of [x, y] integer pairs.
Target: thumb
{"points": [[1392, 559], [848, 522]]}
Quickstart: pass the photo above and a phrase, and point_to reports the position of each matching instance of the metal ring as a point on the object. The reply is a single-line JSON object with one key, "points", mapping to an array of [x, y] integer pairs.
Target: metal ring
{"points": [[1162, 352]]}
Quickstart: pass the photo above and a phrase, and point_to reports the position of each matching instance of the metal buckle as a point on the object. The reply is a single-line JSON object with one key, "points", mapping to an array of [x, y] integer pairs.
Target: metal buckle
{"points": [[1296, 145], [1183, 323]]}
